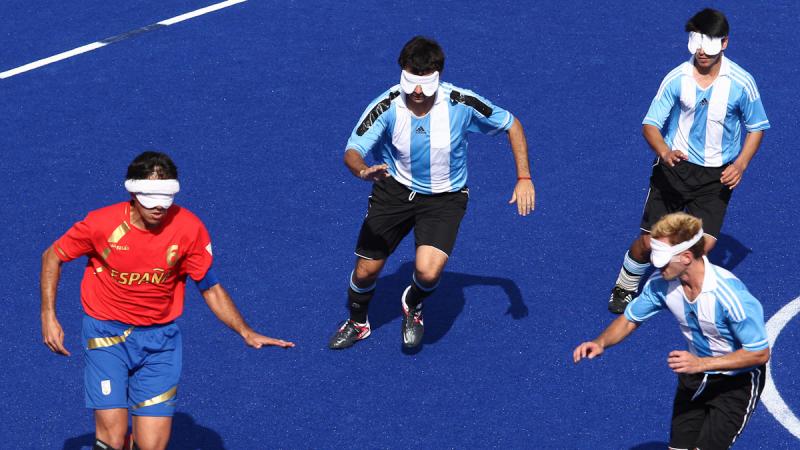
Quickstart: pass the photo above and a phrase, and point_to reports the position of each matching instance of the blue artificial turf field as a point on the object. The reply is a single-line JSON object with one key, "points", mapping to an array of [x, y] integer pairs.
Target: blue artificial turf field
{"points": [[255, 103]]}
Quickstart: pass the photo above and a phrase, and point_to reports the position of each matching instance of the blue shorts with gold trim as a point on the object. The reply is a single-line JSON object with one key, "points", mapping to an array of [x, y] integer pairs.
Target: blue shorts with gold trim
{"points": [[132, 367]]}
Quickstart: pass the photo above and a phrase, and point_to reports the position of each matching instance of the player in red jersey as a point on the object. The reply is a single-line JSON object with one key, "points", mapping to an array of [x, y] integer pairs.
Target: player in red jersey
{"points": [[139, 253]]}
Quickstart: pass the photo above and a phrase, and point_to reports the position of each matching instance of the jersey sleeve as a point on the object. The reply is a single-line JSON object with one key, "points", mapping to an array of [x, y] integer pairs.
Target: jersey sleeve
{"points": [[486, 117], [662, 104], [76, 242], [648, 303], [753, 114], [199, 256], [372, 124], [746, 318]]}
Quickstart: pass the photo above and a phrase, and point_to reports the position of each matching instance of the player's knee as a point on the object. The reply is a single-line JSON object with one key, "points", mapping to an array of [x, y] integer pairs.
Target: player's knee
{"points": [[365, 274], [427, 277]]}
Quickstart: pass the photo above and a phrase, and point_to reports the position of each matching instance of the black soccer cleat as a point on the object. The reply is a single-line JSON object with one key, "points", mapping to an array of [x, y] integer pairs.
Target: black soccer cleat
{"points": [[619, 300], [348, 333], [412, 326]]}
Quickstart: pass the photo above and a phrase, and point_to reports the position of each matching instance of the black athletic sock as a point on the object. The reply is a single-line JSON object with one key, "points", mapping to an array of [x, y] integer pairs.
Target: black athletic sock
{"points": [[100, 445], [415, 295], [358, 303]]}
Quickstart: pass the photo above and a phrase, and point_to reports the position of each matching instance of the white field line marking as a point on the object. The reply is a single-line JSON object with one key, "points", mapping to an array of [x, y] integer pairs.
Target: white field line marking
{"points": [[98, 44], [770, 397]]}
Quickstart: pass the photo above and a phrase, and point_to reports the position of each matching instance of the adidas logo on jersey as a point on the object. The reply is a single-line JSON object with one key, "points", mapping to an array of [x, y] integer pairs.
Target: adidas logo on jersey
{"points": [[420, 130], [704, 102]]}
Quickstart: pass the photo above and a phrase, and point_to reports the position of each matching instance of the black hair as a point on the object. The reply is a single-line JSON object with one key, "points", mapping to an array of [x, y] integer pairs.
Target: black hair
{"points": [[150, 163], [421, 56], [709, 22]]}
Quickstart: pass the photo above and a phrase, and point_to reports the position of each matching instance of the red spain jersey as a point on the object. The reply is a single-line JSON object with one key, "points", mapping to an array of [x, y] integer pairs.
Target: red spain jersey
{"points": [[136, 276]]}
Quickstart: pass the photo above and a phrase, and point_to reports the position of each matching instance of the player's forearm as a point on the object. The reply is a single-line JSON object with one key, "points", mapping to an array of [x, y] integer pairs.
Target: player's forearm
{"points": [[221, 304], [519, 146], [619, 329], [751, 144], [355, 162], [48, 281], [654, 139], [740, 359]]}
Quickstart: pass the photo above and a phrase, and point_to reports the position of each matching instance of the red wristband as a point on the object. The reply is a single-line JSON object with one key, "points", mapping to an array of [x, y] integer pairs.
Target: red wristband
{"points": [[523, 178]]}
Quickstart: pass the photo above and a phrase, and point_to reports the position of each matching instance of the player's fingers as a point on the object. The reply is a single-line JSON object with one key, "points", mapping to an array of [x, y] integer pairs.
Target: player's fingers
{"points": [[513, 197]]}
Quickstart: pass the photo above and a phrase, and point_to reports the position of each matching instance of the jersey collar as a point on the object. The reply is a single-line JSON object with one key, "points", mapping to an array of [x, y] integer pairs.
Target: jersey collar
{"points": [[724, 68]]}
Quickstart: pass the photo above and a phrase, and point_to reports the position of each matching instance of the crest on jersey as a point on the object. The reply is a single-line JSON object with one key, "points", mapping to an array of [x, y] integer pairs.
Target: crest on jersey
{"points": [[172, 255], [105, 387]]}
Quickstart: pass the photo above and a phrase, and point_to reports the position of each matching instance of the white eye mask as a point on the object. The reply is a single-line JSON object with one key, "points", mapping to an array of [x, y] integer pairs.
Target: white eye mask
{"points": [[661, 252], [429, 83], [153, 193], [711, 46]]}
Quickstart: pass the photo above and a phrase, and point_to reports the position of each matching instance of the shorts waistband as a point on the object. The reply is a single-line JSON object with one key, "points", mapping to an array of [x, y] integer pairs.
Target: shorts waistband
{"points": [[124, 326]]}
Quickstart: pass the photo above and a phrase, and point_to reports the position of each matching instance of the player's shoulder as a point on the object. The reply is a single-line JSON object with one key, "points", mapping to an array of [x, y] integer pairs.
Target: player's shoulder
{"points": [[184, 217], [108, 213], [448, 88], [387, 97], [742, 78], [681, 70]]}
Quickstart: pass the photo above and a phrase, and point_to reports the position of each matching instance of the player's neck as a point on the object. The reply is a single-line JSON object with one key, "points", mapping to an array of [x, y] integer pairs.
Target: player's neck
{"points": [[692, 279], [707, 73]]}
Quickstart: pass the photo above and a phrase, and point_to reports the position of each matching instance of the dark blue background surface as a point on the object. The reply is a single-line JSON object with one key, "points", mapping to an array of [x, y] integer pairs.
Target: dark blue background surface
{"points": [[255, 103]]}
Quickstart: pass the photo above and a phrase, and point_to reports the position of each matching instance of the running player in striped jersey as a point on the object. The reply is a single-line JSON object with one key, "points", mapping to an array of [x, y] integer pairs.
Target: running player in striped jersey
{"points": [[694, 125], [418, 131], [140, 253], [721, 377]]}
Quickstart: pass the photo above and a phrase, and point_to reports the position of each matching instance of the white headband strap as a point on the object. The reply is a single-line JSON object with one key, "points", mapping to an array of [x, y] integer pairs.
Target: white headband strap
{"points": [[164, 187]]}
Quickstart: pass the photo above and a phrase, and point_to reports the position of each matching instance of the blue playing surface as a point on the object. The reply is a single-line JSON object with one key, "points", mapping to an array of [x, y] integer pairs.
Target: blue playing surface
{"points": [[255, 103]]}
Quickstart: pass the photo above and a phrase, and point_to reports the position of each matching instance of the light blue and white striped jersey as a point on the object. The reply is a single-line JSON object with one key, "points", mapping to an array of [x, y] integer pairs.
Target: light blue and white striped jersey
{"points": [[427, 154], [706, 124], [722, 319]]}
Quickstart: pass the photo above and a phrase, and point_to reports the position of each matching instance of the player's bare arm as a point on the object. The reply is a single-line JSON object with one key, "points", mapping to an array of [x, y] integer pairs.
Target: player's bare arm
{"points": [[684, 362], [612, 335], [52, 333], [656, 142], [223, 307], [355, 162], [732, 175], [524, 193]]}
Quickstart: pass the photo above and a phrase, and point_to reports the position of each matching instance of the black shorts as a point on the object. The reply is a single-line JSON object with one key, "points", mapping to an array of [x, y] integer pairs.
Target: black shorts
{"points": [[690, 188], [394, 210], [720, 412]]}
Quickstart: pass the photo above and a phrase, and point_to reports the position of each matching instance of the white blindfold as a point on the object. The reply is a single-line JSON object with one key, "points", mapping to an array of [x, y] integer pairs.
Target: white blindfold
{"points": [[154, 193], [661, 252], [711, 45], [429, 83]]}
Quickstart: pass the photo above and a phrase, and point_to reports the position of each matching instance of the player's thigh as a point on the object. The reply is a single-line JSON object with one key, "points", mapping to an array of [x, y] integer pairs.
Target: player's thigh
{"points": [[151, 432], [710, 206], [667, 194], [687, 415], [106, 364], [429, 264], [153, 387], [731, 409], [438, 219], [390, 217]]}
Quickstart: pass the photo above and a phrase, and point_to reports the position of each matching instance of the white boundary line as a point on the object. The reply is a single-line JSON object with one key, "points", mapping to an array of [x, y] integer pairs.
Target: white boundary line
{"points": [[770, 397], [99, 44]]}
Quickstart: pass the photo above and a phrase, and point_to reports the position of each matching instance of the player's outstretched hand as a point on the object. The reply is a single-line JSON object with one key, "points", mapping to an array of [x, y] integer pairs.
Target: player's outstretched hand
{"points": [[681, 361], [731, 176], [256, 340], [374, 173], [673, 157], [589, 350], [524, 196], [53, 335]]}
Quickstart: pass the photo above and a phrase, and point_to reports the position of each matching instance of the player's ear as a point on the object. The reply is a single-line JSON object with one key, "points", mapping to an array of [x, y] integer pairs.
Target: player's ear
{"points": [[724, 43]]}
